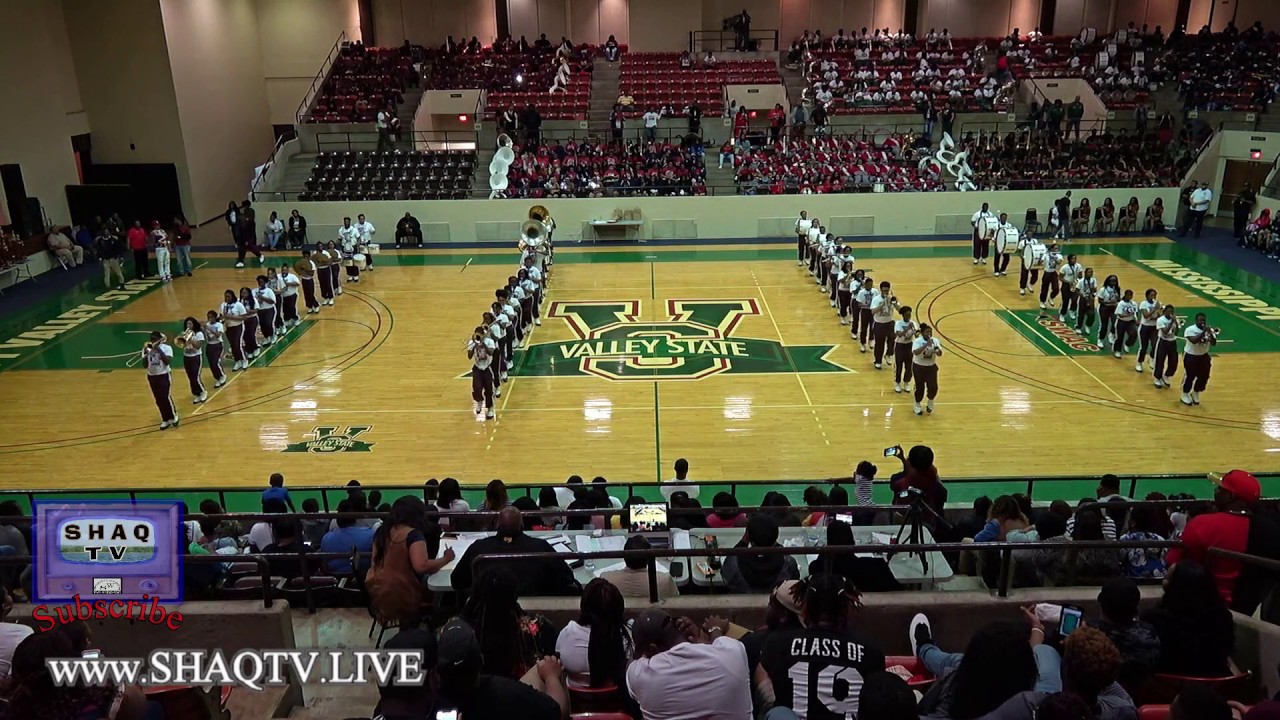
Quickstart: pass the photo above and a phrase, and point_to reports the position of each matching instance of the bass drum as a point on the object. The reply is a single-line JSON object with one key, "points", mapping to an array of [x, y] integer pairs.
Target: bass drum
{"points": [[1034, 255], [1006, 240], [987, 227]]}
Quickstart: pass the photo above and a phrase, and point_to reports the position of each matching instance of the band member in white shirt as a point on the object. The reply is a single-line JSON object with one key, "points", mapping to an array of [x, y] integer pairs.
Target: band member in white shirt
{"points": [[215, 334], [250, 337], [1086, 303], [803, 225], [482, 350], [234, 314], [275, 282], [1126, 324], [264, 299], [904, 334], [192, 343], [1050, 285], [882, 306], [156, 358], [335, 268], [350, 237], [1200, 337], [925, 351], [307, 277], [534, 274], [1149, 311], [981, 244], [1108, 298], [1002, 258], [861, 327], [1027, 276], [323, 274], [1070, 274], [816, 233], [500, 329], [364, 233], [844, 291], [289, 297], [1166, 355], [494, 332]]}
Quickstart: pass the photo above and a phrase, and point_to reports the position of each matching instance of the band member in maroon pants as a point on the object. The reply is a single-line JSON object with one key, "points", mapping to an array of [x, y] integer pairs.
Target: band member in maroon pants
{"points": [[862, 321], [192, 343], [234, 314], [1195, 359], [214, 336], [250, 337], [307, 278], [882, 306], [264, 299], [156, 357], [288, 297], [335, 267], [481, 350], [504, 316]]}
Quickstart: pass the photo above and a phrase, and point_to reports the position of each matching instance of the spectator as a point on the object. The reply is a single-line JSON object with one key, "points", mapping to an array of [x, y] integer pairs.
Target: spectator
{"points": [[1005, 516], [782, 513], [1075, 113], [1064, 706], [11, 634], [449, 499], [261, 534], [349, 536], [611, 49], [602, 485], [633, 579], [110, 251], [782, 613], [61, 246], [726, 154], [495, 499], [814, 497], [970, 525], [1090, 665], [272, 231], [286, 543], [473, 693], [1198, 206], [919, 473], [681, 671], [1136, 639], [827, 604], [686, 513], [867, 574], [595, 648], [759, 573], [885, 696], [1002, 660], [680, 482], [403, 548], [1087, 565], [511, 640], [549, 577], [725, 512], [798, 121], [277, 491], [297, 233], [33, 693], [313, 530], [138, 246], [1193, 623], [1144, 562], [408, 229], [651, 118], [547, 503]]}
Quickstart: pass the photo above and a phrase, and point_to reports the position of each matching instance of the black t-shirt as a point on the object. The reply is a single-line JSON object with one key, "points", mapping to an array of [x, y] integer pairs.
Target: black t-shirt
{"points": [[818, 673], [501, 698]]}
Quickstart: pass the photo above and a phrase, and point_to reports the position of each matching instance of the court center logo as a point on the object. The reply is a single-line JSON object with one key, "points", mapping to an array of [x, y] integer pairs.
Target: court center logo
{"points": [[698, 340], [333, 439]]}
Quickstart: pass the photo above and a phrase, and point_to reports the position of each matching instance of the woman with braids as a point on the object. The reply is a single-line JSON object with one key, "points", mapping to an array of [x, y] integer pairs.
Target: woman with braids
{"points": [[511, 640], [595, 647], [817, 671], [31, 693], [402, 550]]}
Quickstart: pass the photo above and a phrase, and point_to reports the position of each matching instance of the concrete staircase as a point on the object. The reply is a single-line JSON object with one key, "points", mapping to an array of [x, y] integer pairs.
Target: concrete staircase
{"points": [[794, 82], [406, 111], [605, 78], [719, 180]]}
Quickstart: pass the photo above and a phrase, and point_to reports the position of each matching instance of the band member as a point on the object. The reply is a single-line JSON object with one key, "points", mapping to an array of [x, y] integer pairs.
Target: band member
{"points": [[1200, 337], [1149, 311], [925, 351], [364, 236], [1166, 361], [1027, 276], [1052, 262], [296, 230], [291, 284], [1070, 274], [533, 286], [844, 291], [493, 331], [981, 242], [250, 338], [349, 237], [234, 314], [264, 299], [503, 314], [862, 325], [192, 343], [307, 279], [803, 224], [1086, 303], [323, 275], [517, 297], [1108, 298], [276, 283], [335, 268], [816, 233], [1126, 324], [1002, 254], [826, 251], [215, 334], [157, 355], [882, 306], [904, 334], [480, 349], [527, 289]]}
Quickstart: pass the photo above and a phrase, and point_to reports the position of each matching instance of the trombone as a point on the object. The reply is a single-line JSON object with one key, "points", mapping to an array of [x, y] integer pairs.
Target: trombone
{"points": [[146, 348]]}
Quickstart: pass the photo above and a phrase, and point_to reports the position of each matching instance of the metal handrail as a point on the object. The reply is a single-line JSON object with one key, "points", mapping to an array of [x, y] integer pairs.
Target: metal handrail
{"points": [[316, 83], [338, 141], [270, 163], [699, 38]]}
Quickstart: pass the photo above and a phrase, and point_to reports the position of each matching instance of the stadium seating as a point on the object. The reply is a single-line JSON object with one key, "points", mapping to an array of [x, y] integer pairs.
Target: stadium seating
{"points": [[655, 80], [1031, 161], [515, 79], [361, 81], [1226, 71], [593, 169], [833, 165], [393, 175]]}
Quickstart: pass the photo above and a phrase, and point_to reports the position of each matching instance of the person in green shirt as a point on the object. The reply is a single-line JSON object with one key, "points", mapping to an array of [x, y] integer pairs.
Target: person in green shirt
{"points": [[1075, 112], [1053, 116]]}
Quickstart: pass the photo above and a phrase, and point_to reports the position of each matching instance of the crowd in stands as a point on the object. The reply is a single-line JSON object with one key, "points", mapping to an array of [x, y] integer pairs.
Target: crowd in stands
{"points": [[554, 76], [594, 168], [1227, 70], [362, 82], [831, 164], [1043, 156], [677, 81]]}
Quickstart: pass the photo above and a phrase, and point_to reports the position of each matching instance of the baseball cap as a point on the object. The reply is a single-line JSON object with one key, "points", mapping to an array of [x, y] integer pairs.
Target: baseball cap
{"points": [[457, 646], [1239, 483]]}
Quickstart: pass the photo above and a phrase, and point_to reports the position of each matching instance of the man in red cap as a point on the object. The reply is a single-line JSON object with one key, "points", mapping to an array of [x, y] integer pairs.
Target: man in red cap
{"points": [[1235, 527]]}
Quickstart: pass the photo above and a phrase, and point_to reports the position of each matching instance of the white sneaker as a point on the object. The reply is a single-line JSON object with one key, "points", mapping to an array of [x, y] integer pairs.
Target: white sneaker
{"points": [[1138, 367], [877, 365], [175, 421], [844, 321], [897, 387], [221, 382], [929, 405], [984, 261], [920, 620], [504, 377], [476, 407], [262, 259], [239, 265], [833, 303], [164, 425], [975, 261], [337, 291], [537, 321], [1117, 354], [1062, 318], [1186, 399], [489, 414], [1195, 397], [199, 398], [1052, 303], [862, 347], [1159, 382], [919, 410], [1041, 304], [1022, 291], [497, 392]]}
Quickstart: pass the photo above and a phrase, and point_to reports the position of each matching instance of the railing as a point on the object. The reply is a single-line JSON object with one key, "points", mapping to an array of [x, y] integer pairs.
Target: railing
{"points": [[721, 40], [1271, 186], [301, 115], [270, 163], [354, 140]]}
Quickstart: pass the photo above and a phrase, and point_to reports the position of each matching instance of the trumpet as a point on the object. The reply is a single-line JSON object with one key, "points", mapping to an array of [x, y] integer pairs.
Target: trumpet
{"points": [[182, 340]]}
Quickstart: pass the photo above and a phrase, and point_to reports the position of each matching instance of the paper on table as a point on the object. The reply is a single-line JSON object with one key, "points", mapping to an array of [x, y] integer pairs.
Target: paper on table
{"points": [[459, 545], [680, 539], [607, 543], [662, 568]]}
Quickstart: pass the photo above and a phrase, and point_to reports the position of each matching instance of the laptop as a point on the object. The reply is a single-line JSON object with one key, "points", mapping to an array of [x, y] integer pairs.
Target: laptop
{"points": [[650, 521]]}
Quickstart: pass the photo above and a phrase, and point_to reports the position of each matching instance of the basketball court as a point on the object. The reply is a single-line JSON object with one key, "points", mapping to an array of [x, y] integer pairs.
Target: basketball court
{"points": [[727, 355]]}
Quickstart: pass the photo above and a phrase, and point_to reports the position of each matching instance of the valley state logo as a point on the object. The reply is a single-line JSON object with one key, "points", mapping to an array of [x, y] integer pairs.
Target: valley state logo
{"points": [[333, 439], [697, 341]]}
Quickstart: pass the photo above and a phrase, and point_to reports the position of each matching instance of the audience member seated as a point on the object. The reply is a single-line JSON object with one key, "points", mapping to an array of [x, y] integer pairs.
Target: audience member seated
{"points": [[1039, 160], [31, 692], [403, 548], [262, 533], [67, 252], [682, 671], [1259, 236], [1002, 660], [408, 230], [349, 536], [660, 79], [725, 513], [288, 544], [596, 648], [868, 574], [1200, 702], [611, 49], [361, 82], [633, 579], [1144, 523], [1005, 516], [1090, 664], [1227, 70], [512, 641], [11, 633], [588, 168], [549, 577], [832, 164], [758, 573], [1136, 639], [1193, 623]]}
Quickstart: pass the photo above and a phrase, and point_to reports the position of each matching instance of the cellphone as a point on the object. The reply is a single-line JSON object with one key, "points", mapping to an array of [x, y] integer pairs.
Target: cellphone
{"points": [[890, 451], [91, 654], [1070, 620], [846, 518], [447, 715]]}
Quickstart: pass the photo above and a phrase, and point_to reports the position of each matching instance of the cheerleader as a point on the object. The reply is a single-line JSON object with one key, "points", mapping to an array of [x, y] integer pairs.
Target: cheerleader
{"points": [[324, 274], [335, 268], [1050, 285], [502, 320], [307, 278], [276, 283], [349, 236], [925, 351], [904, 334], [1149, 311], [192, 343], [234, 314], [1086, 303], [1070, 274], [862, 323], [291, 283], [215, 334], [480, 350], [1108, 297], [264, 300], [882, 318], [981, 245], [1166, 355], [164, 251], [803, 224], [1126, 324], [1200, 337], [844, 292], [250, 337]]}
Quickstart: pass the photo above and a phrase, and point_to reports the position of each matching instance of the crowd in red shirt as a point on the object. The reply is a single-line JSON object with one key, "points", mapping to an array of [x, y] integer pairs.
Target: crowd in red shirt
{"points": [[589, 168], [834, 164]]}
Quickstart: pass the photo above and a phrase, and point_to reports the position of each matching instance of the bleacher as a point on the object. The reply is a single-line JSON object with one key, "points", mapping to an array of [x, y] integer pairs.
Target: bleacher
{"points": [[1227, 72], [656, 79], [834, 164], [1059, 57], [361, 81], [496, 71], [943, 60], [579, 168], [391, 175]]}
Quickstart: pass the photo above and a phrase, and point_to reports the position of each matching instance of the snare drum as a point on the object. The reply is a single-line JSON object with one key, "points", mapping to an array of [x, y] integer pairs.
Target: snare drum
{"points": [[1034, 255], [1006, 240], [359, 261]]}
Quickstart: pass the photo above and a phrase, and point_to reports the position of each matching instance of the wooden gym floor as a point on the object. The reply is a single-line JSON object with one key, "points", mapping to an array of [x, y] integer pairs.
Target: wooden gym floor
{"points": [[735, 362]]}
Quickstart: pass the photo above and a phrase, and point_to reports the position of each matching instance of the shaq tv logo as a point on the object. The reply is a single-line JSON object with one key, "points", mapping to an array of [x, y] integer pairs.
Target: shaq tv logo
{"points": [[106, 540], [697, 340], [119, 548]]}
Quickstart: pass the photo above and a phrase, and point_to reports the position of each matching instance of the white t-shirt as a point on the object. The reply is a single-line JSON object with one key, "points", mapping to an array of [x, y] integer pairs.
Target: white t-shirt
{"points": [[1200, 199], [925, 358], [11, 634], [1070, 272], [1192, 334], [1148, 306], [1126, 311], [482, 354], [1166, 327], [1088, 288], [291, 283], [260, 535], [572, 648], [364, 231], [803, 225], [651, 119], [193, 347], [882, 311], [233, 308], [214, 333], [904, 332], [704, 681], [673, 486], [265, 297], [158, 359]]}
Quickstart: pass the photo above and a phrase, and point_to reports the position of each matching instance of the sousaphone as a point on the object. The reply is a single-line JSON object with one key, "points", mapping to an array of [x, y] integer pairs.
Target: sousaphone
{"points": [[531, 231]]}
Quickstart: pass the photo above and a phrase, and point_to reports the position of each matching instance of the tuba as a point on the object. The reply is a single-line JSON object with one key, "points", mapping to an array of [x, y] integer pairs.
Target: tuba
{"points": [[303, 267], [530, 231], [540, 213]]}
